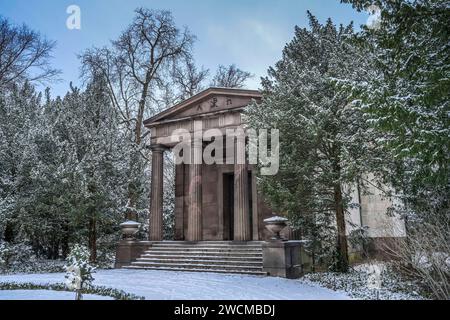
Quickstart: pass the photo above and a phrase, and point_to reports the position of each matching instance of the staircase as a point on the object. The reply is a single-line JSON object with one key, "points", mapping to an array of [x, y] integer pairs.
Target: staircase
{"points": [[205, 256]]}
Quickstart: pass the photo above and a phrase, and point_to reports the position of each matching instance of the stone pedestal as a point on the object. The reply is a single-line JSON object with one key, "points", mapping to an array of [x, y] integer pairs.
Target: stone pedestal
{"points": [[284, 259], [129, 250]]}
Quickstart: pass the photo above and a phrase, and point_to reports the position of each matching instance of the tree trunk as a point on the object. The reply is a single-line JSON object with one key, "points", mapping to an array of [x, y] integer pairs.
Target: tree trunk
{"points": [[133, 188], [342, 247], [78, 295], [93, 239], [132, 192], [65, 242], [53, 248], [140, 115], [313, 261], [8, 234]]}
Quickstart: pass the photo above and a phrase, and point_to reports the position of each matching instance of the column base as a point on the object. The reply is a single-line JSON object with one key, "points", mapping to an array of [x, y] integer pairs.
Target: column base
{"points": [[285, 259], [128, 251]]}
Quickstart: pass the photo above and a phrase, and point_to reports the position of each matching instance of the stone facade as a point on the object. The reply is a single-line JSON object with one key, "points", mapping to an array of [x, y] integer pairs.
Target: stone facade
{"points": [[382, 228], [220, 201], [212, 201], [217, 205]]}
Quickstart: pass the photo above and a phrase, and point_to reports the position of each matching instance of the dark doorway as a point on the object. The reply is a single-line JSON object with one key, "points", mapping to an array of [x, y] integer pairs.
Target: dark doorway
{"points": [[250, 203], [228, 206]]}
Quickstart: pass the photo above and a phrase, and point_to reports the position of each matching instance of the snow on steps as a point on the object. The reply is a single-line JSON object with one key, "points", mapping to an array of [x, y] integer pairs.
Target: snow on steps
{"points": [[214, 256], [261, 273], [203, 253]]}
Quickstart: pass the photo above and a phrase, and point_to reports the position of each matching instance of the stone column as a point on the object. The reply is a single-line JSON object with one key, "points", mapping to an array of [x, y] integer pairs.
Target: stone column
{"points": [[156, 195], [241, 197], [195, 231]]}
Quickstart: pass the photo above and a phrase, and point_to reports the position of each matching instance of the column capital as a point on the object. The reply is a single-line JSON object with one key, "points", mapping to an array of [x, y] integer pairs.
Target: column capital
{"points": [[157, 147]]}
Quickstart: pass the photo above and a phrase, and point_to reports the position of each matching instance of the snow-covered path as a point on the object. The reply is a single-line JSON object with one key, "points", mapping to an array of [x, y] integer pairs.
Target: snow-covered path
{"points": [[168, 285]]}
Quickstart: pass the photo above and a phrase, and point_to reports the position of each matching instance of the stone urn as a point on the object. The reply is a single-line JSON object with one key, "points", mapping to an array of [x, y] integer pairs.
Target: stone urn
{"points": [[275, 225], [129, 229]]}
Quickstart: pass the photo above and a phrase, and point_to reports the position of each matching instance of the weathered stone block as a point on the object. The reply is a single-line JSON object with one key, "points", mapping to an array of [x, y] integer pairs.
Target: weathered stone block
{"points": [[128, 251], [283, 258]]}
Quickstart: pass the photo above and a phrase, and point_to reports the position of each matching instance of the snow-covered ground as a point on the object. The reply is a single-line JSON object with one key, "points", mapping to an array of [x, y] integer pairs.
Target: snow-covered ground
{"points": [[45, 295], [361, 283], [166, 285]]}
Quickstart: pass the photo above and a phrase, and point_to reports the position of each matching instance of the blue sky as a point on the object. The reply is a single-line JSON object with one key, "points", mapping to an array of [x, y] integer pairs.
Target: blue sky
{"points": [[250, 33]]}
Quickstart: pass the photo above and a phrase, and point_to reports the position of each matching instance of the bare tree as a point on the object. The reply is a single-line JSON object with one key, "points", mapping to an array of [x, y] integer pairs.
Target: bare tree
{"points": [[122, 89], [188, 79], [24, 55], [137, 69], [230, 77], [151, 43], [424, 255], [139, 63]]}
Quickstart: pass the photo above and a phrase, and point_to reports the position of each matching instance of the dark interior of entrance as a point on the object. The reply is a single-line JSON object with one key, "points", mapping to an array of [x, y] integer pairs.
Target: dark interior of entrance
{"points": [[228, 204]]}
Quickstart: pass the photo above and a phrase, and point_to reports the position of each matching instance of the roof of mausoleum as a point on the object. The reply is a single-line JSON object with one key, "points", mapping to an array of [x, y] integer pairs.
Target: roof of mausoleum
{"points": [[197, 104]]}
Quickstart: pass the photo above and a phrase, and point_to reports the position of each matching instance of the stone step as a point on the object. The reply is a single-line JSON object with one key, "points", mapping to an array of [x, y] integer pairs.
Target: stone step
{"points": [[206, 248], [202, 261], [223, 257], [259, 273], [205, 257], [198, 266], [190, 243], [225, 249], [204, 253], [233, 246]]}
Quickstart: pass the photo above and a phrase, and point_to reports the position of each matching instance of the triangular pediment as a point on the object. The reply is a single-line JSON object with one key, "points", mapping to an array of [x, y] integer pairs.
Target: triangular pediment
{"points": [[212, 100]]}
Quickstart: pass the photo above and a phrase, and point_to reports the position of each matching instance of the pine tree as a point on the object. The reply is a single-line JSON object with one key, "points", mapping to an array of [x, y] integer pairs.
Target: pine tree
{"points": [[323, 137], [89, 126], [63, 177], [19, 110], [405, 97]]}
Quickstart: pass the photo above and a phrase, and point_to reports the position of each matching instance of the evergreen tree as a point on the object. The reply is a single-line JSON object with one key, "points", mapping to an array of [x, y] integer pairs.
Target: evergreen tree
{"points": [[323, 137], [405, 97], [62, 172], [19, 111], [78, 270], [98, 144]]}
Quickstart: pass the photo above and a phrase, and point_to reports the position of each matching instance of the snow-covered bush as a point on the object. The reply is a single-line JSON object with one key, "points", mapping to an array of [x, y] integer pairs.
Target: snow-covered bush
{"points": [[106, 257], [425, 256], [359, 240], [99, 290], [78, 270], [359, 282], [20, 258], [13, 256], [4, 254]]}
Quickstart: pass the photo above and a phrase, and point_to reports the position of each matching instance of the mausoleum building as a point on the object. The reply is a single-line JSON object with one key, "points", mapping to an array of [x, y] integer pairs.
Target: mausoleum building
{"points": [[217, 205]]}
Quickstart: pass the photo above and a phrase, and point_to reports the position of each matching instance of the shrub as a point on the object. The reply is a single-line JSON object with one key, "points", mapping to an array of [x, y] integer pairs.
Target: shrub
{"points": [[99, 290], [79, 271], [425, 256], [15, 255]]}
